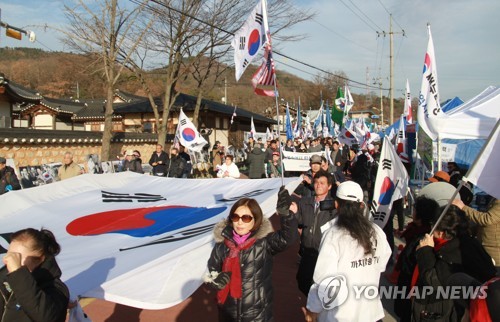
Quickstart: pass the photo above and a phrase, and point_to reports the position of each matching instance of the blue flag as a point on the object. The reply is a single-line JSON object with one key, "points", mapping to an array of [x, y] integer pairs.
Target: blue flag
{"points": [[289, 131]]}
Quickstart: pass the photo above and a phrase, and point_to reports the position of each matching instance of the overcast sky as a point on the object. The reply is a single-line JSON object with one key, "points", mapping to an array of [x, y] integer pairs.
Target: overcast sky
{"points": [[466, 39]]}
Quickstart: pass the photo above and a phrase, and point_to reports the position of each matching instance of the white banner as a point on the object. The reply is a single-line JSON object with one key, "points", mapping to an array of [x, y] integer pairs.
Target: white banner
{"points": [[133, 239], [391, 184], [298, 161], [447, 152]]}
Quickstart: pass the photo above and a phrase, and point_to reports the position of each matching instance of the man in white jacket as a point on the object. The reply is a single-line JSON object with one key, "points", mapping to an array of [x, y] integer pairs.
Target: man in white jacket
{"points": [[353, 254]]}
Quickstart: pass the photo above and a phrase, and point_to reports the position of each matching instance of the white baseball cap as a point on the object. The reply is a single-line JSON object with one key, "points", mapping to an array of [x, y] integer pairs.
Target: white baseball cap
{"points": [[350, 190], [441, 192]]}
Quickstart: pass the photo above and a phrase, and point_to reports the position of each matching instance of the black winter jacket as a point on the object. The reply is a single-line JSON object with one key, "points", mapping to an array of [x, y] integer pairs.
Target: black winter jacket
{"points": [[38, 296], [256, 303], [161, 168], [8, 177], [464, 254], [176, 167], [311, 223]]}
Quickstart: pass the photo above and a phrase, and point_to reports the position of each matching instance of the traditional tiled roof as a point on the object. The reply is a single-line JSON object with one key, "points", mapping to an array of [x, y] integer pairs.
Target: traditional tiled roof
{"points": [[21, 93], [94, 110], [34, 136], [188, 104], [128, 97]]}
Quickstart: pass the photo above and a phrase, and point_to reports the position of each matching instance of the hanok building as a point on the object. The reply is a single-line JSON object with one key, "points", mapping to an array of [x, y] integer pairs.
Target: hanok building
{"points": [[25, 108]]}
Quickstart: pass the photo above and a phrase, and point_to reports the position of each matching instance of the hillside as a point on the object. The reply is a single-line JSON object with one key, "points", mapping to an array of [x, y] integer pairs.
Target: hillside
{"points": [[59, 74]]}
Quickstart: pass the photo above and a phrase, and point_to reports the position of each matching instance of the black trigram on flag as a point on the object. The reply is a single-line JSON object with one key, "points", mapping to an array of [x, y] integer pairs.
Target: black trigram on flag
{"points": [[258, 18], [386, 164], [126, 197], [243, 42], [245, 63], [400, 134], [377, 215], [183, 122]]}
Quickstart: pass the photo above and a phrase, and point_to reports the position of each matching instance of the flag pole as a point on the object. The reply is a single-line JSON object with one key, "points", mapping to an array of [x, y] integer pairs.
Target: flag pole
{"points": [[279, 131], [465, 178]]}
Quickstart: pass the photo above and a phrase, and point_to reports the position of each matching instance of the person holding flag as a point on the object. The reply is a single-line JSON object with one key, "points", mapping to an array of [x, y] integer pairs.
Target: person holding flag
{"points": [[240, 266]]}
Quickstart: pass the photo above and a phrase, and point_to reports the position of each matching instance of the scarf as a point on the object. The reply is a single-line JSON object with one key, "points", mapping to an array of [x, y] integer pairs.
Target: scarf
{"points": [[478, 307], [240, 239], [438, 244], [232, 264]]}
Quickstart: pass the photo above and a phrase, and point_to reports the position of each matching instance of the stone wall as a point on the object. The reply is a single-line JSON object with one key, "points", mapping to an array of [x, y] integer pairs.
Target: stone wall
{"points": [[38, 154]]}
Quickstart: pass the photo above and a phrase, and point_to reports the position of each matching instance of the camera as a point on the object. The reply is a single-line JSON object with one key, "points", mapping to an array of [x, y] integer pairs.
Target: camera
{"points": [[327, 205]]}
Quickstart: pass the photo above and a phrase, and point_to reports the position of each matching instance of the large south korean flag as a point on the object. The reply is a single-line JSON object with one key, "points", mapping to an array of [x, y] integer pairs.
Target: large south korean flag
{"points": [[137, 240], [251, 37]]}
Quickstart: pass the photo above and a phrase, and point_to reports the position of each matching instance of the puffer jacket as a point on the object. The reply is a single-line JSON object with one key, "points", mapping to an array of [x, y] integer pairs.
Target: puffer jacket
{"points": [[489, 228], [256, 303], [37, 296]]}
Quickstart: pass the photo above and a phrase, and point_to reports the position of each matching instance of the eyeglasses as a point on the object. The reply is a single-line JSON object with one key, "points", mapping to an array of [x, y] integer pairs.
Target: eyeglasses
{"points": [[245, 218]]}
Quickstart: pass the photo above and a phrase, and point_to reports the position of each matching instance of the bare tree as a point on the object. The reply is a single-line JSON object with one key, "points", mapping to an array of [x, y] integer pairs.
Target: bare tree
{"points": [[101, 29], [326, 85], [195, 35]]}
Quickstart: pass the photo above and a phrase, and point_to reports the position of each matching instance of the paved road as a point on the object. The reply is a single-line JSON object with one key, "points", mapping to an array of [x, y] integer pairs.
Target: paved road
{"points": [[200, 307]]}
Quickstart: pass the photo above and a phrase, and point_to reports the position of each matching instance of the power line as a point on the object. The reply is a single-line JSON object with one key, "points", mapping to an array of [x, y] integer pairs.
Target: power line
{"points": [[365, 15], [371, 27], [390, 14], [340, 35], [232, 33]]}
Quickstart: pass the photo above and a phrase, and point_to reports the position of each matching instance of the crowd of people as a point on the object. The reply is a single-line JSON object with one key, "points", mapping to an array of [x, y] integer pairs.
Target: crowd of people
{"points": [[339, 244]]}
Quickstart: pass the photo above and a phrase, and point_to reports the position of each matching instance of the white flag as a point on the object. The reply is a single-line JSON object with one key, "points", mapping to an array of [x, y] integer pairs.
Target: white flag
{"points": [[251, 37], [252, 128], [349, 101], [391, 184], [188, 135], [484, 172], [407, 109], [138, 240], [269, 135], [428, 101]]}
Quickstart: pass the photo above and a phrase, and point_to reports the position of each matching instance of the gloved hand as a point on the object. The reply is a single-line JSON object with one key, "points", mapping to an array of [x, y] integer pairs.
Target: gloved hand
{"points": [[284, 202], [8, 188], [221, 280]]}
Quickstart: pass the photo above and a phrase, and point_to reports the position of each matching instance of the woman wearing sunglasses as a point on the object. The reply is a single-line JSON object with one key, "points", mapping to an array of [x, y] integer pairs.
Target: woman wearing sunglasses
{"points": [[241, 262]]}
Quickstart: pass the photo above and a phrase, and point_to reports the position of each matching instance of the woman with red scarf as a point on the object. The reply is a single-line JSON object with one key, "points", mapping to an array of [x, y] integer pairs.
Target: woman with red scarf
{"points": [[449, 250], [241, 262]]}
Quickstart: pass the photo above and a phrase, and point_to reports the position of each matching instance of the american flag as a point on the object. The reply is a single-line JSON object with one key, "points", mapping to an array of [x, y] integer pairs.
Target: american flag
{"points": [[265, 75]]}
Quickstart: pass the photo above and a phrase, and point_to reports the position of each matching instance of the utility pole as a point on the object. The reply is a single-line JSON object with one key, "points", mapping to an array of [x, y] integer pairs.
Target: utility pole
{"points": [[368, 94], [378, 82], [391, 65]]}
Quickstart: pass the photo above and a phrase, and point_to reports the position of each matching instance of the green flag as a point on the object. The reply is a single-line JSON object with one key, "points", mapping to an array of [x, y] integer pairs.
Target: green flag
{"points": [[338, 108]]}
